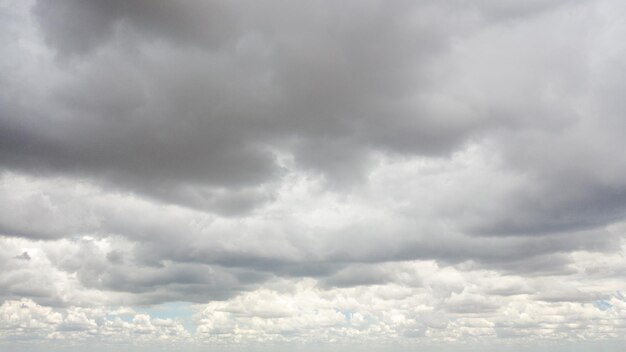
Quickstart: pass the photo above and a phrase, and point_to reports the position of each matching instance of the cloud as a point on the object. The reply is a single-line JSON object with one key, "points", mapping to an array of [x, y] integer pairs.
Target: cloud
{"points": [[201, 126], [312, 171], [23, 256], [30, 322]]}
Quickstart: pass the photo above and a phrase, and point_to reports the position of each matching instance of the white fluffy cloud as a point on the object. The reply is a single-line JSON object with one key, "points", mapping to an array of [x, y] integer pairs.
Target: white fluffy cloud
{"points": [[27, 321], [423, 304]]}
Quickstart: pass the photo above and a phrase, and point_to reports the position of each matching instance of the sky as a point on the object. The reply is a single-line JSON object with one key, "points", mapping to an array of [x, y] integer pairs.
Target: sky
{"points": [[304, 176]]}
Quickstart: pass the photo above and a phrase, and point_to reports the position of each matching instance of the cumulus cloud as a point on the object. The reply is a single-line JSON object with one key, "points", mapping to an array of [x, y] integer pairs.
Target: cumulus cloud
{"points": [[28, 321]]}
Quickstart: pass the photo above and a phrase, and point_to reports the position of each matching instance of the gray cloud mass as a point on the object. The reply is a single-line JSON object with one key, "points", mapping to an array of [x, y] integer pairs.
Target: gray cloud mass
{"points": [[312, 171]]}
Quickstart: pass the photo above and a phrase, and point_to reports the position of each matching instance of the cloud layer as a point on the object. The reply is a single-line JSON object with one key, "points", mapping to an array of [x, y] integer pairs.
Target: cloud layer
{"points": [[309, 172]]}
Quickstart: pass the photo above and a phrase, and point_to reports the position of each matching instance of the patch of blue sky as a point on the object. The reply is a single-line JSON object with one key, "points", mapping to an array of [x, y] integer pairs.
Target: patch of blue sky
{"points": [[180, 311], [602, 305], [349, 315], [346, 313]]}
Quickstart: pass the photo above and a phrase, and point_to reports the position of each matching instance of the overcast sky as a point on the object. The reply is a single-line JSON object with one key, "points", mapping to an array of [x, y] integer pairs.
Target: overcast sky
{"points": [[352, 175]]}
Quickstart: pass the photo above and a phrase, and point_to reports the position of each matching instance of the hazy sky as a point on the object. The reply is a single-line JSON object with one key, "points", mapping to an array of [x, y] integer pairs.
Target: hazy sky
{"points": [[324, 175]]}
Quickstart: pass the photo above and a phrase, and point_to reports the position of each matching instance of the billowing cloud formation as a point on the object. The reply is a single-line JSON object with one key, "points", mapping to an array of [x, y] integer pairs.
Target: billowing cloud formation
{"points": [[311, 172]]}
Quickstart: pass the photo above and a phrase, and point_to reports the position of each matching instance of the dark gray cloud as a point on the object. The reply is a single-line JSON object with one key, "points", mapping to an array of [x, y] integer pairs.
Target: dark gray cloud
{"points": [[190, 103], [200, 126], [79, 27], [23, 256]]}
